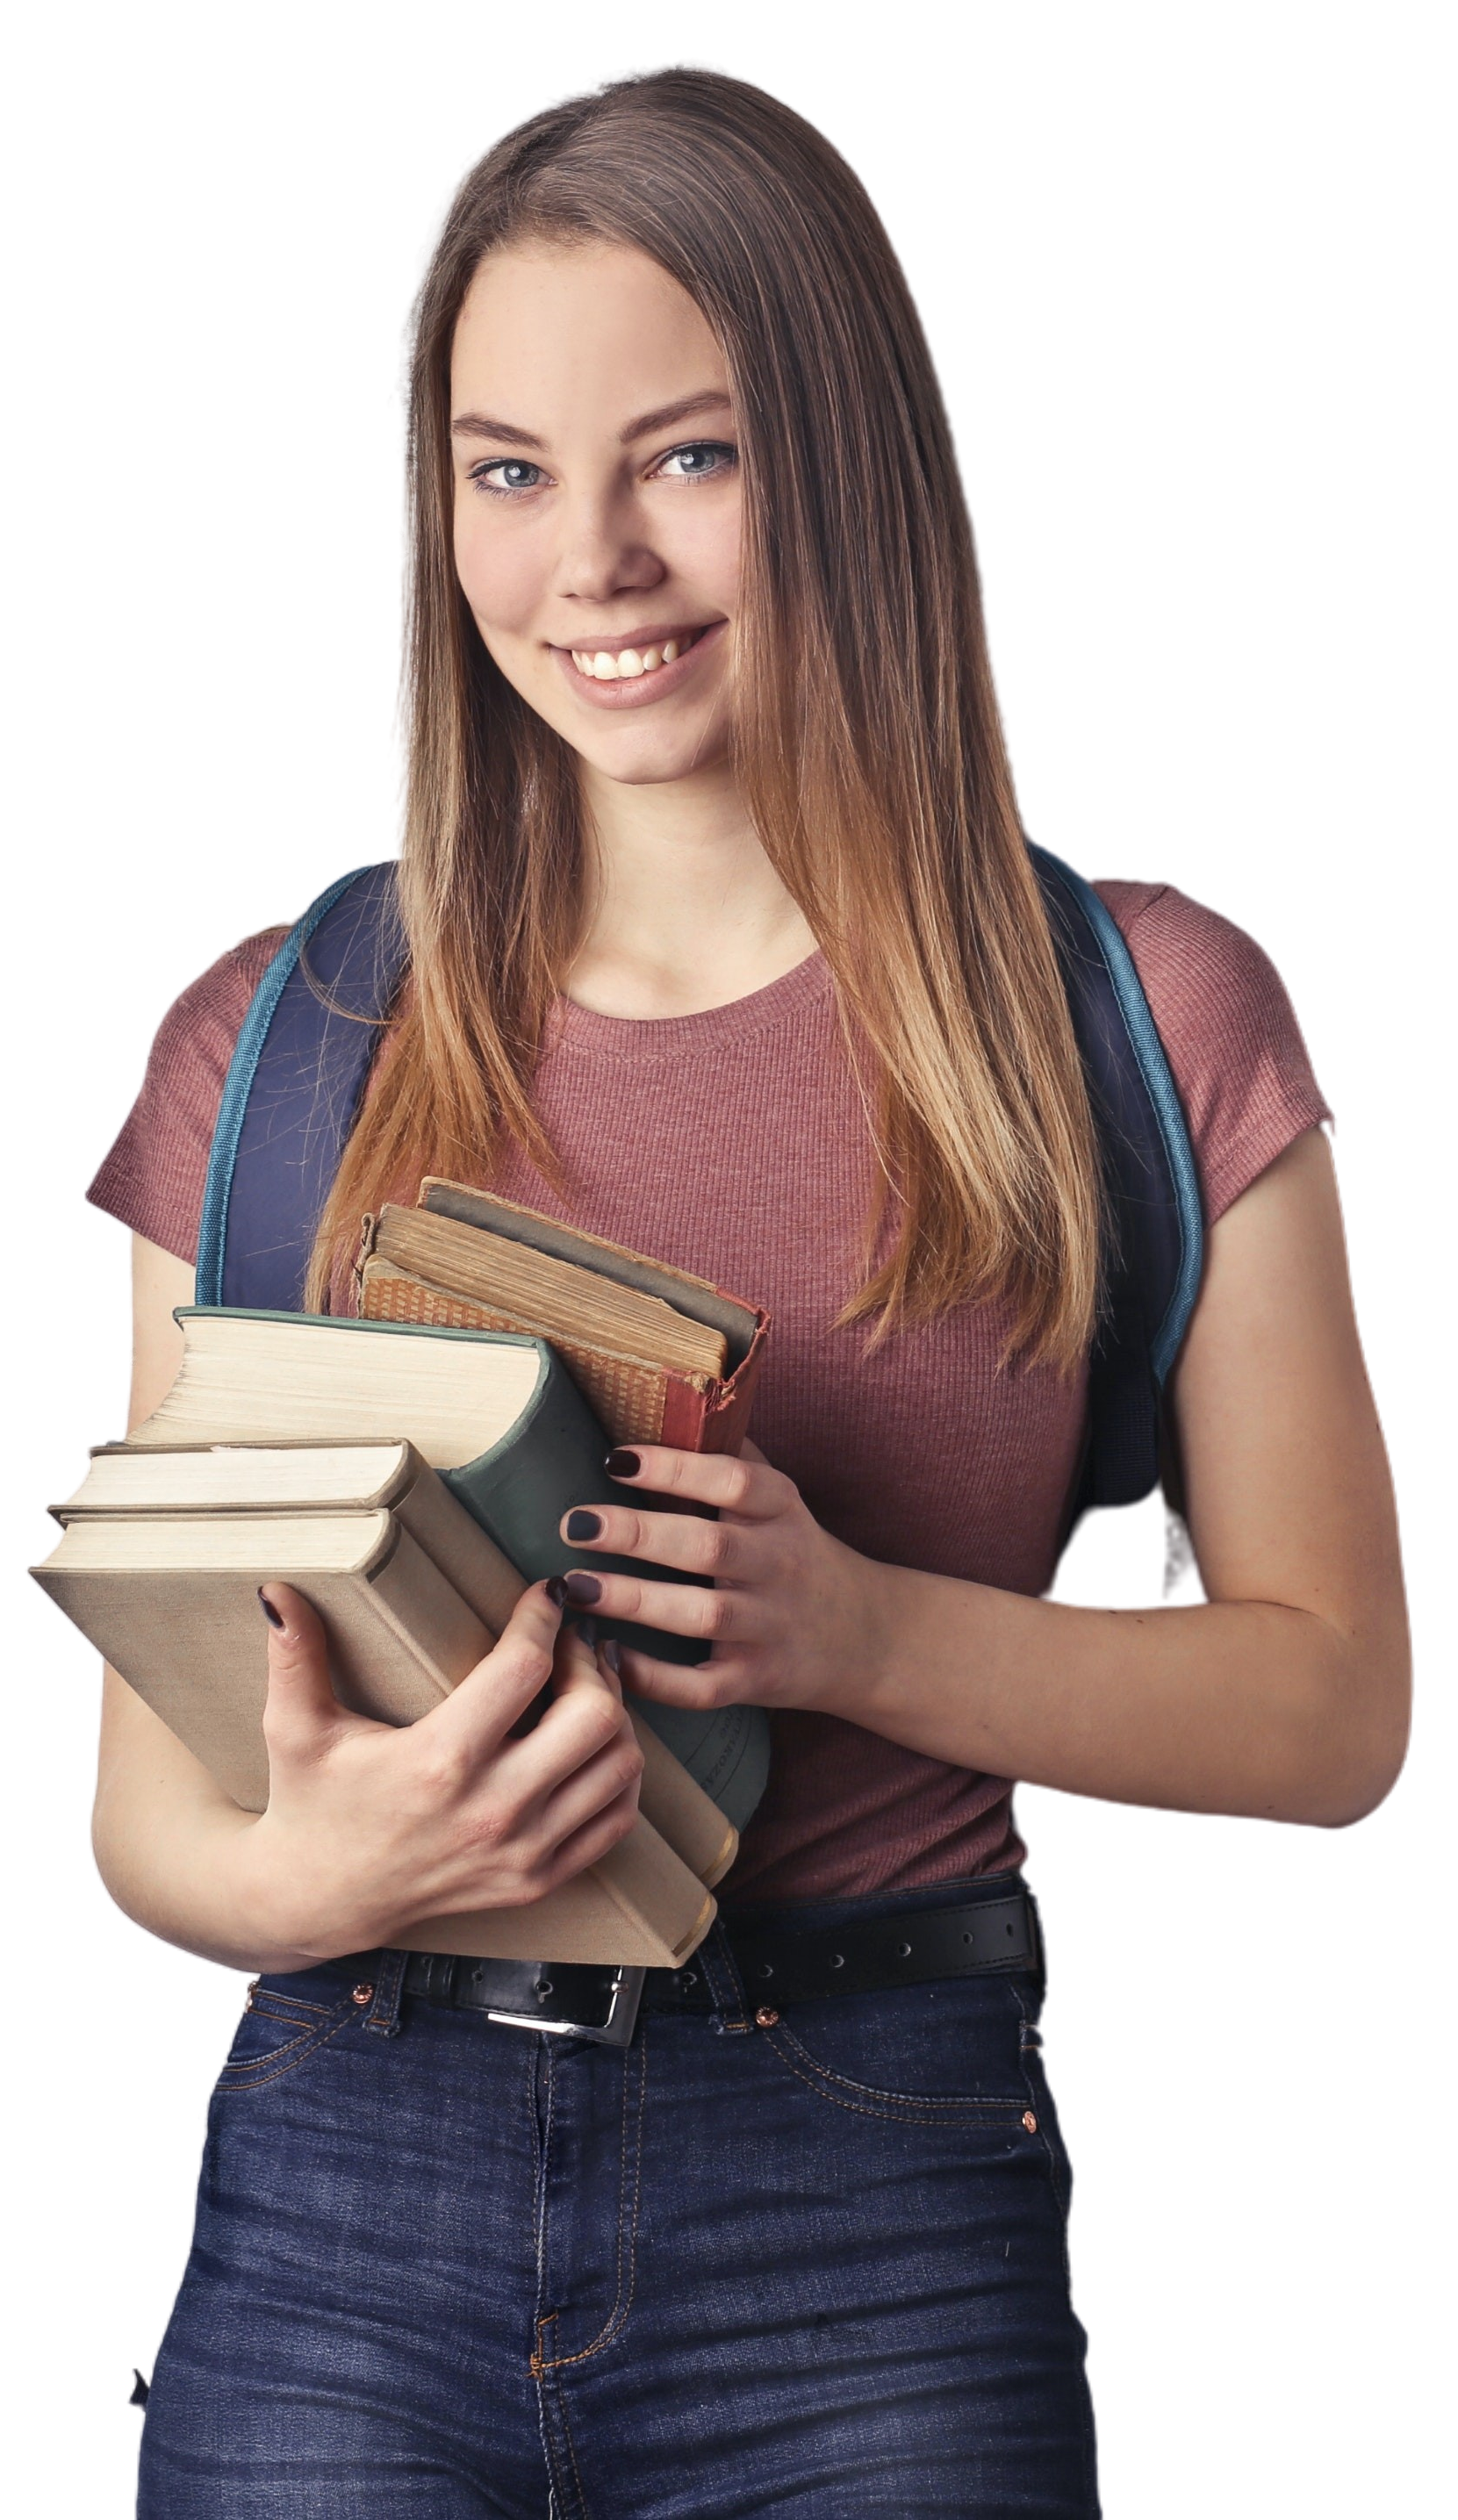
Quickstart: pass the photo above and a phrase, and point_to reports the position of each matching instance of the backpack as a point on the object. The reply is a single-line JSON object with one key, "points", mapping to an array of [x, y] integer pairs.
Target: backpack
{"points": [[298, 1073]]}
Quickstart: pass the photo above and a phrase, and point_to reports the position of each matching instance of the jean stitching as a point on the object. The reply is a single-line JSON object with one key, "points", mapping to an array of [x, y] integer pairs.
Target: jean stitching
{"points": [[877, 2091], [617, 2317], [976, 2112], [560, 2402], [245, 2078]]}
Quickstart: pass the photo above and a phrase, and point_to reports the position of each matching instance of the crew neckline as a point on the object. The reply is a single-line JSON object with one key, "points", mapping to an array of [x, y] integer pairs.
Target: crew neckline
{"points": [[581, 1029]]}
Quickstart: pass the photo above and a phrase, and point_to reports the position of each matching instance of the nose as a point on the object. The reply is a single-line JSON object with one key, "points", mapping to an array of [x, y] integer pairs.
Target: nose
{"points": [[603, 552]]}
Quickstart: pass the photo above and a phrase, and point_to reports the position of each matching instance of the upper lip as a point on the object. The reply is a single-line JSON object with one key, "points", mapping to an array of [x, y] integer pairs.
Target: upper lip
{"points": [[653, 637]]}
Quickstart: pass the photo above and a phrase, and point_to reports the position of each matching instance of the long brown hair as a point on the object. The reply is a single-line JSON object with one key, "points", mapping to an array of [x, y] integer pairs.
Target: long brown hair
{"points": [[867, 739]]}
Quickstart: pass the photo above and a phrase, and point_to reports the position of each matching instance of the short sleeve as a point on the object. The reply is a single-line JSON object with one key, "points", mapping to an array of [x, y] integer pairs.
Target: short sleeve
{"points": [[154, 1176], [1229, 1031]]}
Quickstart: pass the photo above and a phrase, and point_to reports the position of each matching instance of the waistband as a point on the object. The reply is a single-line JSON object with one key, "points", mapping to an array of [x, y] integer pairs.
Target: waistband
{"points": [[747, 1968]]}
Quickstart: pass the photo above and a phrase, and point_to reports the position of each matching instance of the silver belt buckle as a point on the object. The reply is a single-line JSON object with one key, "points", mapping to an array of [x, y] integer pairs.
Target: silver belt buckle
{"points": [[614, 2032]]}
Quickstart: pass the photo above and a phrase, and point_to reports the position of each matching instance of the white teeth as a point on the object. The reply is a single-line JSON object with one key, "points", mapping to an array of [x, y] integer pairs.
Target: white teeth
{"points": [[600, 666]]}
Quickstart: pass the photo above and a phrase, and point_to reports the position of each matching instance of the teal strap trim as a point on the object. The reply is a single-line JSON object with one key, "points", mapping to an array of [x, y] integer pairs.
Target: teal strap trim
{"points": [[1153, 1067], [212, 1225]]}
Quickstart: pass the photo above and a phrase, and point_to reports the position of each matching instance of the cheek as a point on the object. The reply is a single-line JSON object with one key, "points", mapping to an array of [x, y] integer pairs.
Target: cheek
{"points": [[706, 546], [499, 574]]}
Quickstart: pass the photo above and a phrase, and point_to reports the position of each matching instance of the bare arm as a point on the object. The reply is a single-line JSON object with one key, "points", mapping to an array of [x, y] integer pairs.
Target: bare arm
{"points": [[368, 1829], [1283, 1696]]}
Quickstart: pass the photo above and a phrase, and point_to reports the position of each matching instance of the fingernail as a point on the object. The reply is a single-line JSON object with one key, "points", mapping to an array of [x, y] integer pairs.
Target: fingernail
{"points": [[556, 1591], [582, 1525], [587, 1631], [611, 1656], [274, 1617], [581, 1590], [622, 1464]]}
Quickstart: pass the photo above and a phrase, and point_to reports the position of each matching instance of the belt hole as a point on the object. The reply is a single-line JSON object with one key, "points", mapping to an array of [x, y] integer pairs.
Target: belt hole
{"points": [[766, 1969], [838, 1959], [688, 1977], [543, 1986], [903, 1950]]}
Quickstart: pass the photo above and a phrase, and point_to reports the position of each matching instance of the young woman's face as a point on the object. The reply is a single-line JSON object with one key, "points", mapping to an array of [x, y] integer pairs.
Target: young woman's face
{"points": [[597, 502]]}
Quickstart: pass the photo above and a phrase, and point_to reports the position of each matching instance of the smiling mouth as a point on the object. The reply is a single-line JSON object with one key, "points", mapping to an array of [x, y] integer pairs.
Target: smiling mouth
{"points": [[631, 665]]}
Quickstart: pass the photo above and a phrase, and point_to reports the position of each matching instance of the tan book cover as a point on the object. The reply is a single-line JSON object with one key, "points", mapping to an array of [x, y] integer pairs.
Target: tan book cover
{"points": [[169, 1600]]}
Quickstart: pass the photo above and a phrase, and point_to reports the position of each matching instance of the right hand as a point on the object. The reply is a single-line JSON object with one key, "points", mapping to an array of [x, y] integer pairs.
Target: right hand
{"points": [[371, 1827]]}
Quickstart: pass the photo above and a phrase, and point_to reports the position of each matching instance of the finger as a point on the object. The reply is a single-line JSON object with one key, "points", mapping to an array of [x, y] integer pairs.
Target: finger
{"points": [[594, 1839], [301, 1708], [701, 1686], [687, 1540], [734, 1485], [479, 1714], [602, 1780], [715, 1613], [586, 1718]]}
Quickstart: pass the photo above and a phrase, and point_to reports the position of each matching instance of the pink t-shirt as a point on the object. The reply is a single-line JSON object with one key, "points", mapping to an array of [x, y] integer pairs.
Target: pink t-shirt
{"points": [[734, 1143]]}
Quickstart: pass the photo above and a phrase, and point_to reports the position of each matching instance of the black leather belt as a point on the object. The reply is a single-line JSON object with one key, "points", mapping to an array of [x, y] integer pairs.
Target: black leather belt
{"points": [[775, 1965]]}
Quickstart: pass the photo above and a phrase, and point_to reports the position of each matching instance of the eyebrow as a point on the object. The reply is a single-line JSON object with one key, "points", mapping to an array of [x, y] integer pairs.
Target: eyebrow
{"points": [[480, 424]]}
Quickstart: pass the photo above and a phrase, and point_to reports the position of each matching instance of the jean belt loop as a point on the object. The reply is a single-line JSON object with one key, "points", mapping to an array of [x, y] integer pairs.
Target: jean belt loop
{"points": [[715, 1956], [384, 2015]]}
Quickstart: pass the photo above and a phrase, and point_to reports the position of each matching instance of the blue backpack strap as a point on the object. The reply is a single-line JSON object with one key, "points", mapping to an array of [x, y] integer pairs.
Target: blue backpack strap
{"points": [[1150, 1183], [293, 1091]]}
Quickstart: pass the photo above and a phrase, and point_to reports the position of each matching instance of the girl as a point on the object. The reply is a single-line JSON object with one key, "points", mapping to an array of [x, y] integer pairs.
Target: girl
{"points": [[724, 943]]}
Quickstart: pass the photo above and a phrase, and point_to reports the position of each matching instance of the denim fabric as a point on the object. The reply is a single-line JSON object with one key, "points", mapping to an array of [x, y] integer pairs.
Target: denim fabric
{"points": [[814, 2266]]}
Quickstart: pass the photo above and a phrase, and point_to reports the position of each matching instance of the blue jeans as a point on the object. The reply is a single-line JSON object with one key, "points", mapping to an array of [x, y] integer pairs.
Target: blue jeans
{"points": [[445, 2267]]}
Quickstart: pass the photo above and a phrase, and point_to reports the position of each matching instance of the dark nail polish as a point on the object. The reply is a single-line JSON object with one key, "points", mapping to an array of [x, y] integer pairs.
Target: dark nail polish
{"points": [[582, 1524], [622, 1464], [583, 1589], [274, 1617], [587, 1631], [556, 1591], [612, 1657]]}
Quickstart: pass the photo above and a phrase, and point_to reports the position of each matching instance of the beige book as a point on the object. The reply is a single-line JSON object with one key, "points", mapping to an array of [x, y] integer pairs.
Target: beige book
{"points": [[172, 1605], [555, 1298], [301, 1479], [348, 1478]]}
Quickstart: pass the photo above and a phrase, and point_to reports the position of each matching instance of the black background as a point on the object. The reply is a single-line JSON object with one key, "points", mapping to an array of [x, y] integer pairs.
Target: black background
{"points": [[1149, 320]]}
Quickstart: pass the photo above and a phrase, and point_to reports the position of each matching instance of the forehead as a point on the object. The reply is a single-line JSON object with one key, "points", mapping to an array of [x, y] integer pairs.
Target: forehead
{"points": [[560, 325]]}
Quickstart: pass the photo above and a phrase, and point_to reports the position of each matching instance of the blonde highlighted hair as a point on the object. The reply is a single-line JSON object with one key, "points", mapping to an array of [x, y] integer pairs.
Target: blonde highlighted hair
{"points": [[867, 739]]}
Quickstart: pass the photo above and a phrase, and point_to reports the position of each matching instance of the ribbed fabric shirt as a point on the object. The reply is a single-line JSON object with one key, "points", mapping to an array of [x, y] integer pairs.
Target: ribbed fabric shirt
{"points": [[734, 1143]]}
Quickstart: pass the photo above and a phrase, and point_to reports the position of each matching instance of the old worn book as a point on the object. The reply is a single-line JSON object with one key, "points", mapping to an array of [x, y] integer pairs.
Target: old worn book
{"points": [[171, 1601], [501, 1418], [664, 1357]]}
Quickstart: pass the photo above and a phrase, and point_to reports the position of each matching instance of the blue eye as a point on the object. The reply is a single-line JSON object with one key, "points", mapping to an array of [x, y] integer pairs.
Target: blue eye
{"points": [[512, 468], [704, 461]]}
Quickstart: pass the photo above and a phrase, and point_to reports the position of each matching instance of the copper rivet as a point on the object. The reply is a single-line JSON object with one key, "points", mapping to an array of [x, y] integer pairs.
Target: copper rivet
{"points": [[363, 1994], [766, 2016], [1029, 2120]]}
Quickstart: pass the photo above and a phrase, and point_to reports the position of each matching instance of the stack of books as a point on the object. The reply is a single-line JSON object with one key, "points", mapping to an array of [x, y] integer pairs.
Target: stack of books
{"points": [[408, 1473]]}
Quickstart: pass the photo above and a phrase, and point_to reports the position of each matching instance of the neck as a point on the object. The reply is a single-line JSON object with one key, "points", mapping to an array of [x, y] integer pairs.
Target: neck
{"points": [[684, 911]]}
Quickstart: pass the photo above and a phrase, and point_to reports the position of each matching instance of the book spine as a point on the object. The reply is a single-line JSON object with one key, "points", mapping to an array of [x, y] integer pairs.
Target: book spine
{"points": [[715, 1420]]}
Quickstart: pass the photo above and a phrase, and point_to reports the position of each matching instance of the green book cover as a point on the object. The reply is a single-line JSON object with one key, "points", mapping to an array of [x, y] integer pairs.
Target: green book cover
{"points": [[550, 1460]]}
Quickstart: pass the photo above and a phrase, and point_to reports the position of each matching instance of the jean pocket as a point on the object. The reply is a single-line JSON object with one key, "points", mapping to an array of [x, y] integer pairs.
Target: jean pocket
{"points": [[278, 2031], [949, 2053]]}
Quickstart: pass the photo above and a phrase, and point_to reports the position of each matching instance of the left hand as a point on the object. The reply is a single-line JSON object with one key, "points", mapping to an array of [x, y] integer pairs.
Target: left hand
{"points": [[795, 1618]]}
